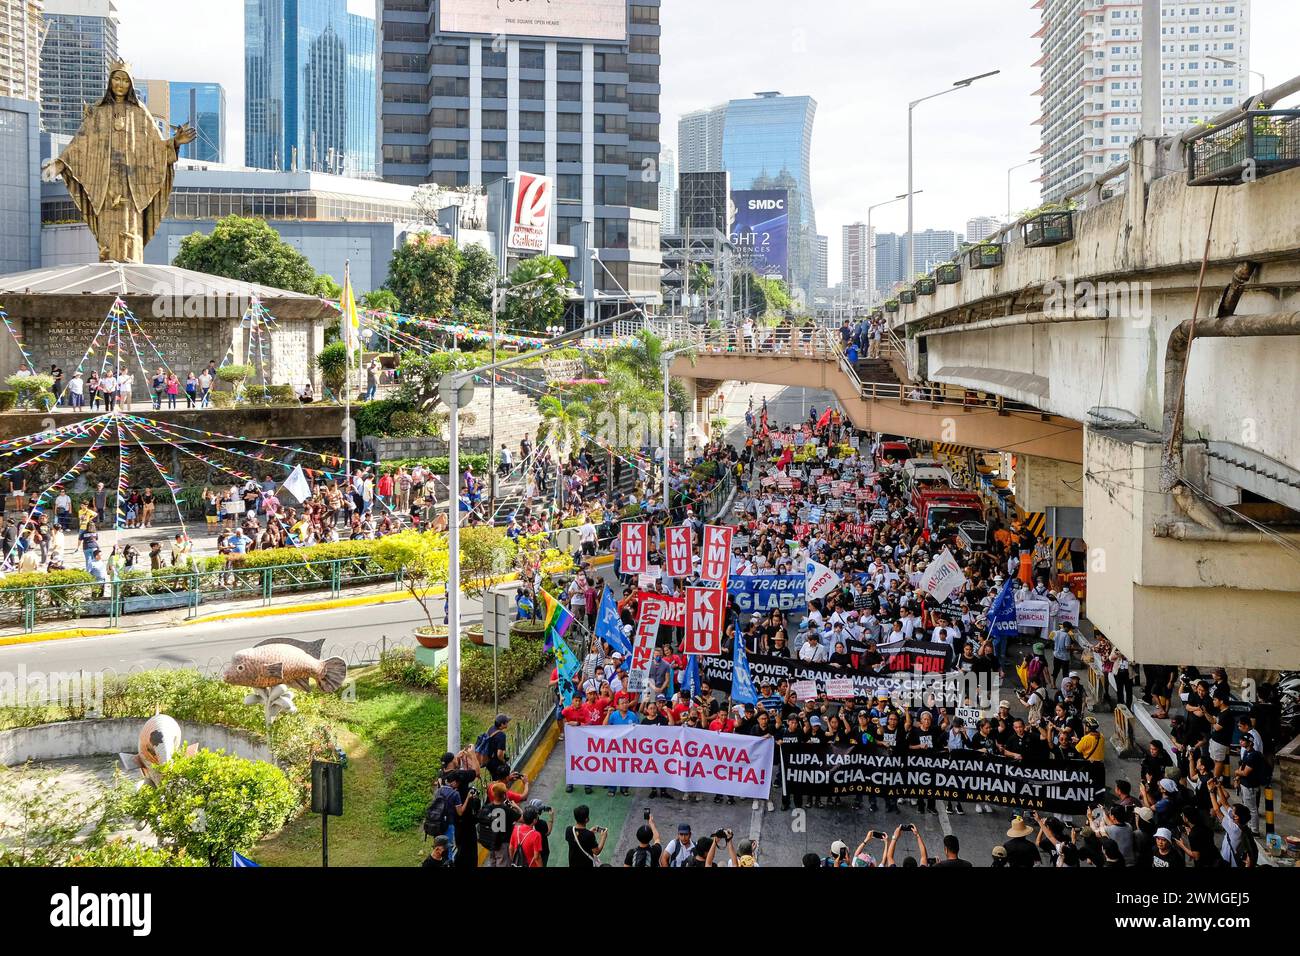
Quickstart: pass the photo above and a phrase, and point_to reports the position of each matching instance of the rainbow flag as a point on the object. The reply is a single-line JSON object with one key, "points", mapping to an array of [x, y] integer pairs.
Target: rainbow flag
{"points": [[556, 618]]}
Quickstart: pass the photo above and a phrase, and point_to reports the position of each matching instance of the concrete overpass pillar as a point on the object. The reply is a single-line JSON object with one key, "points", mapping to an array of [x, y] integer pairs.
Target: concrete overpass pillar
{"points": [[1168, 590]]}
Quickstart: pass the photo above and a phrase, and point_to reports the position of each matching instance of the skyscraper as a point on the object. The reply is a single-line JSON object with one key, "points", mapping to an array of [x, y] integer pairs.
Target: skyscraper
{"points": [[668, 192], [201, 105], [891, 251], [699, 140], [933, 246], [1092, 78], [310, 87], [854, 251], [20, 49], [767, 144], [821, 264], [80, 42], [470, 98]]}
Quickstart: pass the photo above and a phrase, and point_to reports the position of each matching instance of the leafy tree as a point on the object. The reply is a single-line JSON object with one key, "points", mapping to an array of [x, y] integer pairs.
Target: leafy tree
{"points": [[478, 274], [251, 251], [562, 422], [424, 275], [381, 300], [46, 824], [33, 390], [701, 279], [541, 304], [422, 374], [209, 804], [327, 288], [333, 364]]}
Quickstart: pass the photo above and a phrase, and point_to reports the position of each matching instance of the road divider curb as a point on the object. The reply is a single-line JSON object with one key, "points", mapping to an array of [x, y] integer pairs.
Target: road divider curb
{"points": [[58, 635]]}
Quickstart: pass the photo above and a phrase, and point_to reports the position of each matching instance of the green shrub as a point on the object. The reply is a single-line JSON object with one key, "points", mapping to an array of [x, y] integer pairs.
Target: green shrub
{"points": [[234, 374], [438, 463], [399, 666], [373, 418], [270, 395], [410, 424], [130, 853], [8, 400], [221, 399], [515, 666]]}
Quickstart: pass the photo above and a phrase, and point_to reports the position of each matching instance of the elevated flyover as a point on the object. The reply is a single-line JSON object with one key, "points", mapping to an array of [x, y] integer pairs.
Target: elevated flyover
{"points": [[923, 411]]}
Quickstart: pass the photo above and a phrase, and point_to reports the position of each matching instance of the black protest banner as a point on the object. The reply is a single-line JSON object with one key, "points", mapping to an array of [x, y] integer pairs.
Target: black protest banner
{"points": [[818, 770], [766, 669], [928, 657]]}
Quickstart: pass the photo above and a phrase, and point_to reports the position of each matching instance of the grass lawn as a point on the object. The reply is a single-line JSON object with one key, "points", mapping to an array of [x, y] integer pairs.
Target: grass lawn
{"points": [[393, 736]]}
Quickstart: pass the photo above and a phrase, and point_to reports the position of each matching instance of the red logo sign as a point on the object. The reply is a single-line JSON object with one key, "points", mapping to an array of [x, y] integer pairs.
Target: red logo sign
{"points": [[715, 555], [632, 542], [530, 223], [704, 610], [677, 561]]}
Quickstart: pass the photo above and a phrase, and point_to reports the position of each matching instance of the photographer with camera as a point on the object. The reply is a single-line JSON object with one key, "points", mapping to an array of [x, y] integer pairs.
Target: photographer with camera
{"points": [[585, 843], [648, 850], [893, 846]]}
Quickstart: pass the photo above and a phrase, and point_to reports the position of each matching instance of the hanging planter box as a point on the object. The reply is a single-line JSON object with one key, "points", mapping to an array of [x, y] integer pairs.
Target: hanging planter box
{"points": [[924, 286], [986, 255], [877, 314], [1257, 144], [891, 305], [948, 274], [907, 297], [1048, 229]]}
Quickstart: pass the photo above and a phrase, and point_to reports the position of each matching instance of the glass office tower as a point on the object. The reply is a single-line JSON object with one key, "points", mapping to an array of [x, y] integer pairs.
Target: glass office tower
{"points": [[306, 63], [80, 42], [767, 144], [201, 105]]}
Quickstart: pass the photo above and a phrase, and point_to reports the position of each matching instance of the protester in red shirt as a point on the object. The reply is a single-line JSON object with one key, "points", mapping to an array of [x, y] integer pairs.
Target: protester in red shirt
{"points": [[526, 842]]}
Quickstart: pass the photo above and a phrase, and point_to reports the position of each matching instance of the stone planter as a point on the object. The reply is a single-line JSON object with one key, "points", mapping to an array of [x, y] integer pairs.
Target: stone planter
{"points": [[476, 636], [434, 640]]}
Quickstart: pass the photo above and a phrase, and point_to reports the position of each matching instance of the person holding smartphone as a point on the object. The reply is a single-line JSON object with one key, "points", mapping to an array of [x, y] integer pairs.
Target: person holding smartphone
{"points": [[585, 843]]}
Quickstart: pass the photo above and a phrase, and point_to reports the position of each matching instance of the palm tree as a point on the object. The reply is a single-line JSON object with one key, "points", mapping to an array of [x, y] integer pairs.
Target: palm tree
{"points": [[562, 424]]}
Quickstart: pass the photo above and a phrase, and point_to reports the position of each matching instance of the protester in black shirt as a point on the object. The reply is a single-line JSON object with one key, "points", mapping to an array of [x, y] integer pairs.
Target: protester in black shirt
{"points": [[585, 844]]}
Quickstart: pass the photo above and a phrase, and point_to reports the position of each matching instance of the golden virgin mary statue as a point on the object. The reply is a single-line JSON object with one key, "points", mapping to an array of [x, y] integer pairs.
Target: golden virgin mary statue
{"points": [[119, 170]]}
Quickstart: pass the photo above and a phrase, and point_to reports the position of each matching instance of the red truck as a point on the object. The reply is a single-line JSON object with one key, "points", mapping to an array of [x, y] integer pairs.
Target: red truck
{"points": [[936, 507], [888, 452]]}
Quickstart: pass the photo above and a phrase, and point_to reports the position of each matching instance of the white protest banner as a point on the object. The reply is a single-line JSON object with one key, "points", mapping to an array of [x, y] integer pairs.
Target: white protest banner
{"points": [[1033, 613], [1068, 613], [683, 758], [879, 516], [705, 609], [715, 552], [646, 579], [840, 688], [821, 580], [677, 560], [943, 577], [643, 645], [632, 546], [805, 689]]}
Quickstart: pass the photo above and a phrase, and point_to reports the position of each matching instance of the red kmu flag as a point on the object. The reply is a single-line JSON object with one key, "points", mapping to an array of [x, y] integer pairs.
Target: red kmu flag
{"points": [[715, 553], [633, 543], [704, 611], [677, 559]]}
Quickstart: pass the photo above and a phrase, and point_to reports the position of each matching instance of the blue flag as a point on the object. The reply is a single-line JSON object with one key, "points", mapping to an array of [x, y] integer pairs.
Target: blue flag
{"points": [[238, 859], [609, 626], [1002, 615], [742, 684], [566, 668], [691, 676]]}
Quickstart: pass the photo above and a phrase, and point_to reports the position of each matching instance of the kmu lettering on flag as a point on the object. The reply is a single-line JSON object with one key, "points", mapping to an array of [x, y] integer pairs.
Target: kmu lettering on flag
{"points": [[632, 548], [715, 557], [704, 610], [677, 560]]}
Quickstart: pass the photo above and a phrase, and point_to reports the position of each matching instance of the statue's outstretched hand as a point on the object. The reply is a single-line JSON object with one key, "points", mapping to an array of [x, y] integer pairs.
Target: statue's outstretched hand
{"points": [[185, 134], [51, 170]]}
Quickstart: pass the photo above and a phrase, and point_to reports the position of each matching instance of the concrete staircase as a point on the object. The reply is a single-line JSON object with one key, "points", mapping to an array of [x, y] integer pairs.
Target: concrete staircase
{"points": [[879, 371]]}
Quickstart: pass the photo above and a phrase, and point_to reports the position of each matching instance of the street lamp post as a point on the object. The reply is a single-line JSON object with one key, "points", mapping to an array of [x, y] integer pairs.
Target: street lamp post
{"points": [[911, 237], [1227, 62], [1009, 172], [871, 240], [456, 390]]}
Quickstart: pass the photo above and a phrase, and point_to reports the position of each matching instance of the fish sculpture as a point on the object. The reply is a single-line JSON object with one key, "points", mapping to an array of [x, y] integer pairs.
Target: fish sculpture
{"points": [[281, 660], [159, 742]]}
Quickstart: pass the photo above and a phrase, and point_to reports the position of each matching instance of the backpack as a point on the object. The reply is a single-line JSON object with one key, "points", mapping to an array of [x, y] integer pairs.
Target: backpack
{"points": [[641, 857], [517, 855], [481, 745], [438, 814], [489, 836]]}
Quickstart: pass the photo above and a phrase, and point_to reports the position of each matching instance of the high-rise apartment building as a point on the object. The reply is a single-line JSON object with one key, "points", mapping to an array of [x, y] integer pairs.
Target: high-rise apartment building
{"points": [[699, 140], [201, 105], [1092, 78], [20, 48], [981, 227], [310, 87], [855, 252], [80, 43], [933, 246], [471, 95], [890, 253]]}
